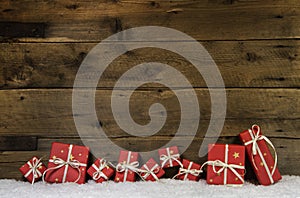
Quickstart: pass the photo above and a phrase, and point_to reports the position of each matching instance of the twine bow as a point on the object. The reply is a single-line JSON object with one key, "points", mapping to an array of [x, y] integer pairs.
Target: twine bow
{"points": [[98, 173], [187, 171], [169, 158], [33, 168], [256, 150]]}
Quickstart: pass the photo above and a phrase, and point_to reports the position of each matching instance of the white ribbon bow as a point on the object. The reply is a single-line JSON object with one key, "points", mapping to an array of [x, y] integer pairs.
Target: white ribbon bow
{"points": [[255, 149], [98, 174], [153, 171], [194, 172], [36, 163], [169, 157]]}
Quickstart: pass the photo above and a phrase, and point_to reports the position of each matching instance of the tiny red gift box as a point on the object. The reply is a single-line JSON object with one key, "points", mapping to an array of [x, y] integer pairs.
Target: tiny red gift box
{"points": [[67, 163], [100, 171], [262, 161], [33, 169], [189, 171], [151, 171], [226, 164], [169, 157], [127, 167]]}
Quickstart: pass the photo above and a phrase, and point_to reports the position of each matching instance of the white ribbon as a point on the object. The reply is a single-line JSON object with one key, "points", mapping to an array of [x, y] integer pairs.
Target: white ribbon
{"points": [[255, 149], [153, 171], [36, 163], [98, 173], [225, 166], [169, 158], [60, 163], [125, 166], [188, 171]]}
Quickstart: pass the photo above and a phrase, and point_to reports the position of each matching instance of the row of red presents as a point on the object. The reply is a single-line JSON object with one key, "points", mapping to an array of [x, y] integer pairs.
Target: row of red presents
{"points": [[225, 165]]}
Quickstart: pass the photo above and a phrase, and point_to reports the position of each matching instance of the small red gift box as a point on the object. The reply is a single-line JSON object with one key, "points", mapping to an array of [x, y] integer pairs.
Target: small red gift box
{"points": [[127, 167], [33, 169], [189, 171], [226, 164], [260, 156], [151, 171], [100, 171], [67, 163], [169, 157]]}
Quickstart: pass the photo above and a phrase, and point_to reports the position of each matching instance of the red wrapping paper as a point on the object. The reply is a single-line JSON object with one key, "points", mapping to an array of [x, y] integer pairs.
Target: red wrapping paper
{"points": [[73, 154], [189, 166], [263, 159], [33, 169], [152, 166], [236, 156], [169, 157], [127, 158], [100, 171]]}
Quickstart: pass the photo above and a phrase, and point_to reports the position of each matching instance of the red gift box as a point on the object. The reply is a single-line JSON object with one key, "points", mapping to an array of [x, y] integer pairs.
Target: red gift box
{"points": [[151, 171], [169, 157], [189, 171], [226, 164], [127, 167], [100, 171], [67, 163], [33, 169], [262, 161]]}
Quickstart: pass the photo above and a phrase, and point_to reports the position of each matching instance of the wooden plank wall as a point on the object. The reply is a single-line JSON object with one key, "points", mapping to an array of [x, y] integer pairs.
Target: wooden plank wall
{"points": [[42, 44]]}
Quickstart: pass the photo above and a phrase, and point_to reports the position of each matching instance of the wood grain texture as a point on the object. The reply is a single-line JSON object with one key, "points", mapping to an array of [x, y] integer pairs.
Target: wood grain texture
{"points": [[241, 64], [41, 112], [10, 161], [203, 20], [18, 143]]}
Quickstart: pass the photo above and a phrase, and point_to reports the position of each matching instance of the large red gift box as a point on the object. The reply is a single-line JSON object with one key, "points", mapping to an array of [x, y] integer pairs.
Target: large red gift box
{"points": [[169, 157], [226, 164], [189, 171], [262, 161], [67, 163], [100, 171], [127, 167], [33, 169], [151, 171]]}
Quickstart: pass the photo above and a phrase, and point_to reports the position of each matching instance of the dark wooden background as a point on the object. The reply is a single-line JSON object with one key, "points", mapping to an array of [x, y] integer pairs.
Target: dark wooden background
{"points": [[42, 44]]}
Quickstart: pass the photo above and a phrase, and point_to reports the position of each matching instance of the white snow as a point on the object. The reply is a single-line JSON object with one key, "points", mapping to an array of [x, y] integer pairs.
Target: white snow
{"points": [[287, 187]]}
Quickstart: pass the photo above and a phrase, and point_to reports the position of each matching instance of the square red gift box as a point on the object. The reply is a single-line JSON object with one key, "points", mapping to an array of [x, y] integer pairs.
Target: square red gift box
{"points": [[262, 161], [100, 171], [33, 169], [151, 171], [169, 157], [127, 167], [189, 171], [226, 164], [67, 163]]}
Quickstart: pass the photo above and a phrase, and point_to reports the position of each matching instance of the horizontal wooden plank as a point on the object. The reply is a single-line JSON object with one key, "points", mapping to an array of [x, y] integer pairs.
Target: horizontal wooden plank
{"points": [[17, 29], [18, 143], [241, 64], [203, 20], [48, 112], [288, 154]]}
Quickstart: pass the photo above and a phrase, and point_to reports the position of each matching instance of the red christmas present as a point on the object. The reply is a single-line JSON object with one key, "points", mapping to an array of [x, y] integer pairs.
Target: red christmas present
{"points": [[169, 157], [67, 163], [189, 171], [226, 164], [100, 171], [151, 171], [127, 167], [33, 169], [262, 161]]}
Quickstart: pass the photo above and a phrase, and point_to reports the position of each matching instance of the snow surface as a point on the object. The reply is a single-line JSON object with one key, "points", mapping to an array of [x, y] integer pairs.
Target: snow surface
{"points": [[287, 187]]}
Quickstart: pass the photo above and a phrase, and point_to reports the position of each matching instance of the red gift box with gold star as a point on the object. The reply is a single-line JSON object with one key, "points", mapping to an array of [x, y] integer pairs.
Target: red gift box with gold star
{"points": [[189, 171], [127, 167], [169, 157], [67, 163], [100, 171], [259, 154], [151, 171], [33, 169], [226, 164]]}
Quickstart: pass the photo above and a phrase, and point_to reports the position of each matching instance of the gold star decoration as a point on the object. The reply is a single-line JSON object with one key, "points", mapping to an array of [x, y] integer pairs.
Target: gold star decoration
{"points": [[117, 179], [62, 151], [265, 154], [54, 157], [71, 157], [236, 179], [79, 154], [218, 174], [211, 180], [261, 164], [236, 155], [171, 152], [56, 179], [40, 167]]}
